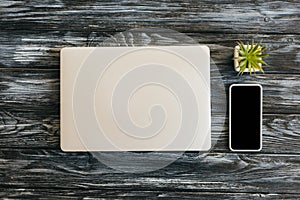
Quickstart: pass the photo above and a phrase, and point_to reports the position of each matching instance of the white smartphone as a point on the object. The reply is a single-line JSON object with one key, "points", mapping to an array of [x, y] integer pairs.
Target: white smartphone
{"points": [[245, 117]]}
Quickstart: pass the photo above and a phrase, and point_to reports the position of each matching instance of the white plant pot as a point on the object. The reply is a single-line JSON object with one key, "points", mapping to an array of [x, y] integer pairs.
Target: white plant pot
{"points": [[236, 63]]}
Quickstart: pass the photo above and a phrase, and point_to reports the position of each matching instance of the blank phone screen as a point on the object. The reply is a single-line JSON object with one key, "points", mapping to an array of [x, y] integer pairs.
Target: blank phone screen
{"points": [[245, 117]]}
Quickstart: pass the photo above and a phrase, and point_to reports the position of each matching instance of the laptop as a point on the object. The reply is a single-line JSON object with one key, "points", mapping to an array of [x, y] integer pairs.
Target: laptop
{"points": [[153, 98]]}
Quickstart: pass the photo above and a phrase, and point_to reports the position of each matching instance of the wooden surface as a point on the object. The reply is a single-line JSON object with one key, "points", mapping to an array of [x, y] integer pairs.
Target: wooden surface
{"points": [[31, 162]]}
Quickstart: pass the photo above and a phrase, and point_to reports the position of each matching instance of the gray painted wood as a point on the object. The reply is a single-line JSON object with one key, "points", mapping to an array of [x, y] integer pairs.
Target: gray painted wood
{"points": [[39, 130], [39, 90], [110, 16], [40, 50], [137, 194], [31, 35], [254, 173]]}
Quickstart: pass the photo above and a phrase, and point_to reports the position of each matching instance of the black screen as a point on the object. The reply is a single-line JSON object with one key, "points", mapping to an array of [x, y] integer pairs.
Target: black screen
{"points": [[245, 116]]}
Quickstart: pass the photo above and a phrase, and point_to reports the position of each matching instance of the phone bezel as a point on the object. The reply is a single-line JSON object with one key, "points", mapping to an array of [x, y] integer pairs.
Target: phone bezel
{"points": [[261, 101]]}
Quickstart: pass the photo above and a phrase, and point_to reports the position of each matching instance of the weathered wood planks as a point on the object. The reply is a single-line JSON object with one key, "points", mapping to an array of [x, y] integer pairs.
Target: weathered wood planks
{"points": [[40, 49], [31, 36], [39, 90], [39, 130], [110, 16], [58, 193], [220, 172]]}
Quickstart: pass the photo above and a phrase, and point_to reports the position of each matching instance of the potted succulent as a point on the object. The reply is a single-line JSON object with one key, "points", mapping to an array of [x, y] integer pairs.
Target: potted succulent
{"points": [[249, 57]]}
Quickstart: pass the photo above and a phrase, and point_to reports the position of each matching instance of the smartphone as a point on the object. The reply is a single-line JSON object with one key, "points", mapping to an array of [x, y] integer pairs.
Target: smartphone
{"points": [[245, 117]]}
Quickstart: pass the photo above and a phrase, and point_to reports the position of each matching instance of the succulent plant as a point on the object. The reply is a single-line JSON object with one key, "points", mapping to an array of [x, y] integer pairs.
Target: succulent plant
{"points": [[250, 57]]}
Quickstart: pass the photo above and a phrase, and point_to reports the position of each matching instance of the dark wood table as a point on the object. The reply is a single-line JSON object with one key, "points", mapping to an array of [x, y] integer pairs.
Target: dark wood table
{"points": [[31, 162]]}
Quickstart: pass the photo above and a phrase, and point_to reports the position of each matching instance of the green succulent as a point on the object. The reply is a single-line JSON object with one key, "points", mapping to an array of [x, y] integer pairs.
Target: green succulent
{"points": [[250, 57]]}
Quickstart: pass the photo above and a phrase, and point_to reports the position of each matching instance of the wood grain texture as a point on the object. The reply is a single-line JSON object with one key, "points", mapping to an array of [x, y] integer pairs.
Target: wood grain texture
{"points": [[41, 193], [39, 90], [32, 166], [27, 120], [37, 130], [110, 16], [23, 89], [218, 172], [40, 50]]}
